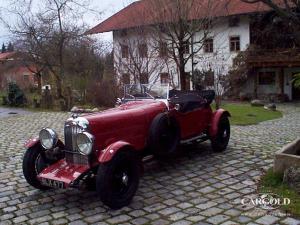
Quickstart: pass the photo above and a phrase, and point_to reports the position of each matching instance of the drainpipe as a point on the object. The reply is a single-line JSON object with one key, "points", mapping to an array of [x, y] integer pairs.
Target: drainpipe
{"points": [[192, 45]]}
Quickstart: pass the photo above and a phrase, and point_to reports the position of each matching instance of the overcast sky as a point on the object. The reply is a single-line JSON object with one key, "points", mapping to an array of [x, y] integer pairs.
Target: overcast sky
{"points": [[108, 7]]}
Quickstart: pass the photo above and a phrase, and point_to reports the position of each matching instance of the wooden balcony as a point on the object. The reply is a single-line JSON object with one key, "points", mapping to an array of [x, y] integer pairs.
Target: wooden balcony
{"points": [[273, 58]]}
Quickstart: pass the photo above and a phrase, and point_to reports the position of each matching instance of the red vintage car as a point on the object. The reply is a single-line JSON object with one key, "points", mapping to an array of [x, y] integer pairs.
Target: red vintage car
{"points": [[106, 149]]}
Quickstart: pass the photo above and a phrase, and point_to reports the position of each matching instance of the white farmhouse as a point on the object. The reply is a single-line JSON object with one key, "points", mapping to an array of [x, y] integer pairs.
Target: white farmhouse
{"points": [[234, 31]]}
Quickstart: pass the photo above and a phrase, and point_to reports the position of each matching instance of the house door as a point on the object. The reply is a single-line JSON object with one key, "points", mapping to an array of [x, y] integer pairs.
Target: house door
{"points": [[295, 91]]}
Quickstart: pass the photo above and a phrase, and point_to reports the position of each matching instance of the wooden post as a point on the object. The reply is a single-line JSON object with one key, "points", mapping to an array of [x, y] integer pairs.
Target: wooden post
{"points": [[281, 80], [255, 83]]}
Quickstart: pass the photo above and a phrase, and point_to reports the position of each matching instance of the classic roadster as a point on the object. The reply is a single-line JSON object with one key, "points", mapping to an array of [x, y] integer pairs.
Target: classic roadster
{"points": [[105, 149]]}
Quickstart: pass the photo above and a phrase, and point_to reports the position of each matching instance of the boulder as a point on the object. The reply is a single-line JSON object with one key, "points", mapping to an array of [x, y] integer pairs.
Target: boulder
{"points": [[292, 178], [271, 106], [257, 102], [74, 109], [88, 110], [95, 110]]}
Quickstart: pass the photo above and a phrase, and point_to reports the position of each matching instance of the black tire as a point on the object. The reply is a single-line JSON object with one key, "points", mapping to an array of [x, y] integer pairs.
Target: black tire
{"points": [[118, 180], [220, 142], [33, 164], [164, 136]]}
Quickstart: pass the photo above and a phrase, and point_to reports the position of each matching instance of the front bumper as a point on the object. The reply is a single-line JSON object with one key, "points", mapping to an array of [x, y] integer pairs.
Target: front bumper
{"points": [[63, 174]]}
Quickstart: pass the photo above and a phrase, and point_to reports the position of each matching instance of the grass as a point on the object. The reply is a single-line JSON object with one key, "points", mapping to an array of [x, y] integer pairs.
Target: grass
{"points": [[245, 114], [272, 182]]}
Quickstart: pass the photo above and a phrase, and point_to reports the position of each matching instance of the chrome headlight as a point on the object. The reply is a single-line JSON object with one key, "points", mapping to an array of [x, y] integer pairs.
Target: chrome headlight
{"points": [[48, 138], [85, 143]]}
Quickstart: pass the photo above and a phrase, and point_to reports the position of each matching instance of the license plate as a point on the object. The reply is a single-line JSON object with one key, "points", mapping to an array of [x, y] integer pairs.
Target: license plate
{"points": [[53, 183]]}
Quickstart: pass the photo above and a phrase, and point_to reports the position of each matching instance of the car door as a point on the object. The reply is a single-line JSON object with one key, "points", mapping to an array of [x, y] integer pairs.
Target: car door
{"points": [[193, 123]]}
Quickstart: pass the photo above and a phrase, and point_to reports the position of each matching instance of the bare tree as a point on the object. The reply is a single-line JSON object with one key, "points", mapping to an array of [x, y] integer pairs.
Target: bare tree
{"points": [[137, 58], [288, 10], [183, 26], [45, 33]]}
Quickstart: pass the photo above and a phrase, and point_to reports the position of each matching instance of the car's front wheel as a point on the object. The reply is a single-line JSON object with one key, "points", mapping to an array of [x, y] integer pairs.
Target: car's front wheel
{"points": [[117, 180], [33, 164]]}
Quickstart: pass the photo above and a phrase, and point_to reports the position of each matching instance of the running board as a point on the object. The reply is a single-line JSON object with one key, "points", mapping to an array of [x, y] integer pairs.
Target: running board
{"points": [[200, 138]]}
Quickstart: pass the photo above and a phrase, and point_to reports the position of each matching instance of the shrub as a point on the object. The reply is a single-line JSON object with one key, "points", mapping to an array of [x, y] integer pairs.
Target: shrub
{"points": [[102, 93], [15, 95]]}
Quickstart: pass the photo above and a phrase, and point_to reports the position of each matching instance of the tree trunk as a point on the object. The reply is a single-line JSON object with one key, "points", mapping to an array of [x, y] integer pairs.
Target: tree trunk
{"points": [[39, 81], [182, 70], [182, 78]]}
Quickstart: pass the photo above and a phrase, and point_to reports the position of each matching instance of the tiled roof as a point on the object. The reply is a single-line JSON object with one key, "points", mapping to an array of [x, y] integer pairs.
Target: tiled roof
{"points": [[140, 14], [6, 55]]}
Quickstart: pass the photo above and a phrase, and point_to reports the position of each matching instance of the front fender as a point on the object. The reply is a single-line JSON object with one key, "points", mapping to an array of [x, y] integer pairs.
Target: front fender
{"points": [[32, 142], [108, 153], [215, 121], [36, 141]]}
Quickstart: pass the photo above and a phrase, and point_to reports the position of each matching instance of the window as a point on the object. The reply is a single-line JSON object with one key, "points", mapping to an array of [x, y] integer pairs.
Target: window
{"points": [[26, 77], [163, 49], [186, 47], [164, 78], [206, 24], [123, 33], [144, 79], [266, 78], [209, 45], [125, 51], [126, 78], [234, 22], [143, 50], [235, 44]]}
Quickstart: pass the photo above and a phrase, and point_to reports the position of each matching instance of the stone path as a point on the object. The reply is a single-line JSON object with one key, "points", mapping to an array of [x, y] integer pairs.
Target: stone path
{"points": [[6, 112], [200, 187]]}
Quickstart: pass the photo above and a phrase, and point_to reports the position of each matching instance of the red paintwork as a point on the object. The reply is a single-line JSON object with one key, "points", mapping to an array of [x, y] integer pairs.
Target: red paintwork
{"points": [[62, 171], [193, 123], [108, 153], [31, 142], [129, 122], [215, 121]]}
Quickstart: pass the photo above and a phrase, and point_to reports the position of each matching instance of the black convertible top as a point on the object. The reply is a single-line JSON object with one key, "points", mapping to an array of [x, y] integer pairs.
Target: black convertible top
{"points": [[179, 97]]}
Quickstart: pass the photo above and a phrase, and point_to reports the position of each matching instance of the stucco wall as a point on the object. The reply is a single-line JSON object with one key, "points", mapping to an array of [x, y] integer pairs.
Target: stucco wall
{"points": [[220, 61]]}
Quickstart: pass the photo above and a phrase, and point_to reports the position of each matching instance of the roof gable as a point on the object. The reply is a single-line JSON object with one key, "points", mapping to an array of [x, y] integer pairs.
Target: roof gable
{"points": [[140, 14]]}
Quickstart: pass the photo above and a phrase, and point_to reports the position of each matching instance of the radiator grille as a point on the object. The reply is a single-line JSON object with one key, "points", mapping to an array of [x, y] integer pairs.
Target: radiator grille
{"points": [[72, 154], [71, 130], [76, 158]]}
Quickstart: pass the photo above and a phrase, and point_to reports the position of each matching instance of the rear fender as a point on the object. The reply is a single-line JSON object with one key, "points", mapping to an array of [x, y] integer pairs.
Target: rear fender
{"points": [[109, 152], [215, 121]]}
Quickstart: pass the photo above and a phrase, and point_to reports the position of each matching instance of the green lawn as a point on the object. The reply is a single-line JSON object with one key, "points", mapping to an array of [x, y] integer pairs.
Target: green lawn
{"points": [[245, 114], [272, 182]]}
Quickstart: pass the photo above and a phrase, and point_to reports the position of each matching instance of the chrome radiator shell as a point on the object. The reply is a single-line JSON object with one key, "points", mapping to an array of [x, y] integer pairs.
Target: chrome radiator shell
{"points": [[72, 127]]}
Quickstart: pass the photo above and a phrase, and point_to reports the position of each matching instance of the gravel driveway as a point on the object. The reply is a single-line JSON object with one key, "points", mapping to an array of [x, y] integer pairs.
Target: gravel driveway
{"points": [[200, 187]]}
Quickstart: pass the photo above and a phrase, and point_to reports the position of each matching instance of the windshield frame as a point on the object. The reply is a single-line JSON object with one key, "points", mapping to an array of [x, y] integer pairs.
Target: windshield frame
{"points": [[145, 88]]}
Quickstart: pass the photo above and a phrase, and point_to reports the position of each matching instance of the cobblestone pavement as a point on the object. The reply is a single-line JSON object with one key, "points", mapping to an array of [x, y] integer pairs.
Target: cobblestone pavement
{"points": [[200, 187]]}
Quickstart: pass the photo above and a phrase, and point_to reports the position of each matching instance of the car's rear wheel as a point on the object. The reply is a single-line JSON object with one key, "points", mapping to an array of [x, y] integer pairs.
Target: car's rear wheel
{"points": [[117, 180], [34, 163], [164, 136], [220, 142]]}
